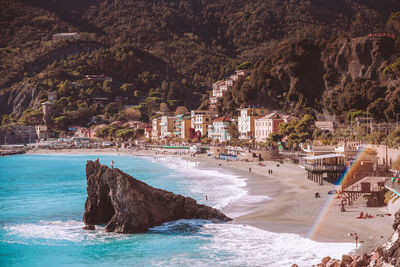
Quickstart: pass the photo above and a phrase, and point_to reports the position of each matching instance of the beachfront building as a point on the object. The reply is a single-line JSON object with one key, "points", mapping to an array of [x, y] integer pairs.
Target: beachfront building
{"points": [[79, 131], [219, 130], [156, 128], [200, 120], [333, 165], [182, 125], [18, 134], [246, 126], [41, 132], [167, 126], [148, 132], [265, 126]]}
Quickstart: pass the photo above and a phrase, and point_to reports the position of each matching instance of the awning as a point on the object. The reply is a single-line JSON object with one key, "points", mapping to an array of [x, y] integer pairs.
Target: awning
{"points": [[325, 156]]}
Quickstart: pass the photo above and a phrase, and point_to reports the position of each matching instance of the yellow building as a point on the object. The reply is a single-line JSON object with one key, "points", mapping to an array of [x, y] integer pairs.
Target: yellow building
{"points": [[201, 119]]}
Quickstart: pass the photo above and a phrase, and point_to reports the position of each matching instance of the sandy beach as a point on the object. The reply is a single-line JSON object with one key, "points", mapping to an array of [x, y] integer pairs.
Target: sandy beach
{"points": [[292, 207]]}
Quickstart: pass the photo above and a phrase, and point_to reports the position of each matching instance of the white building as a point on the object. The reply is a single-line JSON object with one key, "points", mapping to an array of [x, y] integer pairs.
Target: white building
{"points": [[246, 121], [167, 126], [268, 124], [219, 130], [156, 129]]}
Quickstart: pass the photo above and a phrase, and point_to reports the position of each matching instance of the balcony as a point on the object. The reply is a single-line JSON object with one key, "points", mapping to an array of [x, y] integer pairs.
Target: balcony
{"points": [[324, 168]]}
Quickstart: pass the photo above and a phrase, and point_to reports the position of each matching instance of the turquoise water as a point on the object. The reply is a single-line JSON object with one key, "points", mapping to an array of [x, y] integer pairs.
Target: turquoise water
{"points": [[42, 201]]}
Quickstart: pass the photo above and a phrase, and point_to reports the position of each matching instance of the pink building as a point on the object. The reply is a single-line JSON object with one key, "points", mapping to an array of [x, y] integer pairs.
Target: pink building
{"points": [[268, 124]]}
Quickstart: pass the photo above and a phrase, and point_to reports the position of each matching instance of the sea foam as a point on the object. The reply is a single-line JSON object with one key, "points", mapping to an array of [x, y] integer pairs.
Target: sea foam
{"points": [[223, 188], [244, 245], [51, 232]]}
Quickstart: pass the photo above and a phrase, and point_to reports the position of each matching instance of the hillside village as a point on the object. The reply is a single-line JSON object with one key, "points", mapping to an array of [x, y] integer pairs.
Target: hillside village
{"points": [[253, 127]]}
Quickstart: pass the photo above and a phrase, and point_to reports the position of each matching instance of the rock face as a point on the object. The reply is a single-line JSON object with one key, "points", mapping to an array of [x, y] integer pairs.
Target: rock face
{"points": [[127, 205]]}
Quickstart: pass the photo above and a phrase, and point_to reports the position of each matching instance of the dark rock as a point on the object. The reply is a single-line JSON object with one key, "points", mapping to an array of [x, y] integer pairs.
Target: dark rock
{"points": [[396, 222], [127, 205], [346, 260], [326, 260], [89, 227]]}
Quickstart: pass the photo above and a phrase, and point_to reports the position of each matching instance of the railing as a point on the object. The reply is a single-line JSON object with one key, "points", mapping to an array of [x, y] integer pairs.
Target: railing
{"points": [[352, 179], [324, 168]]}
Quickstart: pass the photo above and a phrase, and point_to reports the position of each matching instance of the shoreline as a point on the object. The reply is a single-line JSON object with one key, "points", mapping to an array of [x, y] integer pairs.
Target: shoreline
{"points": [[291, 208]]}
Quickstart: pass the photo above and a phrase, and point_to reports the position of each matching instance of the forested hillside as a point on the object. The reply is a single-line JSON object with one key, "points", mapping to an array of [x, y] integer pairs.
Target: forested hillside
{"points": [[304, 54]]}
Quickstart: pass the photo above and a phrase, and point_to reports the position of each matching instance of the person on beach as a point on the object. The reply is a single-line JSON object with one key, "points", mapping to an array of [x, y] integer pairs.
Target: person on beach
{"points": [[206, 198], [112, 164], [356, 239], [342, 205], [249, 169]]}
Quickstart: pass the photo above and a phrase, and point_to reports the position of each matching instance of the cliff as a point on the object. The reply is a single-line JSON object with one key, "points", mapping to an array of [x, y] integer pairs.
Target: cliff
{"points": [[127, 205]]}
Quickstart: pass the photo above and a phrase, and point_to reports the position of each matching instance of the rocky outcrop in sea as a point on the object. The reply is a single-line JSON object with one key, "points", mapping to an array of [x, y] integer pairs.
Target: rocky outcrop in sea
{"points": [[127, 205]]}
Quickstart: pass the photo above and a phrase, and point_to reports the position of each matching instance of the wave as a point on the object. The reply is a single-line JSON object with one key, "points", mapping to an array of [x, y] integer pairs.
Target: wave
{"points": [[223, 188], [241, 245], [52, 232]]}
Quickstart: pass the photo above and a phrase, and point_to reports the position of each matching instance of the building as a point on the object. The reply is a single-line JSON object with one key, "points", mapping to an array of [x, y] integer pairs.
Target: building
{"points": [[186, 124], [222, 86], [148, 132], [52, 96], [326, 126], [333, 165], [47, 112], [167, 126], [79, 131], [18, 134], [219, 130], [246, 126], [201, 119], [265, 126], [182, 125], [41, 132], [100, 99], [66, 35], [100, 77], [156, 128]]}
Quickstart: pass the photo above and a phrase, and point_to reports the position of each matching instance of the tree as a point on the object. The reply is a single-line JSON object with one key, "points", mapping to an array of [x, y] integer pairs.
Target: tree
{"points": [[396, 164], [139, 133], [394, 138], [181, 110], [125, 134], [31, 117], [127, 89], [61, 122], [233, 131], [130, 114], [245, 65], [107, 87], [112, 109], [192, 133]]}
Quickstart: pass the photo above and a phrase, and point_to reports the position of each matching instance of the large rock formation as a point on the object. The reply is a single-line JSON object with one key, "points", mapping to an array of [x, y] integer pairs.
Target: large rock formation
{"points": [[127, 205]]}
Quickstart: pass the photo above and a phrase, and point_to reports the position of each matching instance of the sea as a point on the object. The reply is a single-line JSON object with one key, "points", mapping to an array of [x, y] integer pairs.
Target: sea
{"points": [[42, 202]]}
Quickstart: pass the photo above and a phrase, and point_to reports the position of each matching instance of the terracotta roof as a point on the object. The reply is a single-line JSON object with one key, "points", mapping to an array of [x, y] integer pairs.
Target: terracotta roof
{"points": [[223, 119]]}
